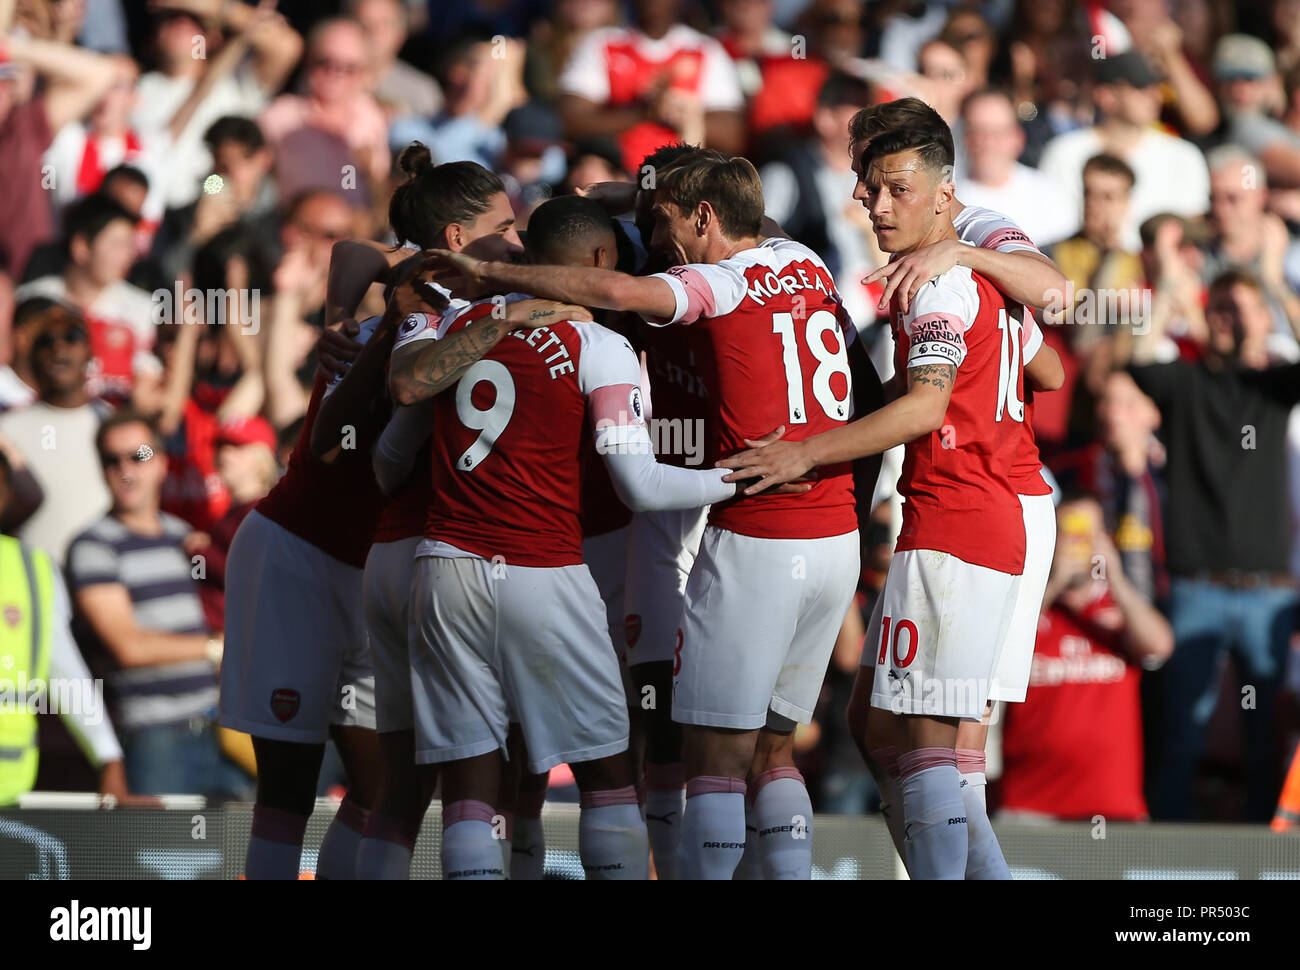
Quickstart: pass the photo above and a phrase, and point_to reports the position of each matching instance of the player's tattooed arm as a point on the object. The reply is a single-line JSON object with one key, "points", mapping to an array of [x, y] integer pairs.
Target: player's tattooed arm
{"points": [[919, 412], [426, 369], [939, 376]]}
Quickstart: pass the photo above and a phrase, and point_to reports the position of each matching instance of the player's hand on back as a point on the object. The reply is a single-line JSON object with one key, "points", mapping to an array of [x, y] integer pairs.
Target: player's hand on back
{"points": [[780, 466], [907, 274]]}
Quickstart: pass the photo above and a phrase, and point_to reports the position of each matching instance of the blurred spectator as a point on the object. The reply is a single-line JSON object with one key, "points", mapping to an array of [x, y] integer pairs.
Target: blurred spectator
{"points": [[1104, 292], [652, 84], [242, 193], [749, 37], [970, 35], [1172, 256], [993, 178], [947, 85], [479, 90], [533, 159], [82, 153], [1124, 470], [1224, 425], [399, 88], [553, 40], [1246, 237], [1047, 64], [1097, 265], [313, 224], [185, 36], [1170, 173], [17, 382], [1189, 104], [71, 82], [57, 433], [336, 103], [779, 74], [1073, 749], [1251, 92], [1286, 31], [904, 31], [247, 466], [808, 193], [38, 653], [595, 160], [98, 250], [135, 595]]}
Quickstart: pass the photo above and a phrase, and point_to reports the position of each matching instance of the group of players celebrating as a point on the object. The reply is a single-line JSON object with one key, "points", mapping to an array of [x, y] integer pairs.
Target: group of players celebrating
{"points": [[477, 568]]}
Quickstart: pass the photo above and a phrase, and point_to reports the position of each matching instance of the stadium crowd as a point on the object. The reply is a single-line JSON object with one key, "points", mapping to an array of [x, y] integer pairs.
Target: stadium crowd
{"points": [[154, 155]]}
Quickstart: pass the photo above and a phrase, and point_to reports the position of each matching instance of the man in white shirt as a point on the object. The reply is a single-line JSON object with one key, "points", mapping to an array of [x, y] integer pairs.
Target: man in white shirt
{"points": [[57, 435], [995, 180], [179, 35], [1171, 173]]}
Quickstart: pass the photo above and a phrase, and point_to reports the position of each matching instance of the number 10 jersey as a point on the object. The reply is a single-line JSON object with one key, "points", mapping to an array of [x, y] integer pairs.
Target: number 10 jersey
{"points": [[957, 483]]}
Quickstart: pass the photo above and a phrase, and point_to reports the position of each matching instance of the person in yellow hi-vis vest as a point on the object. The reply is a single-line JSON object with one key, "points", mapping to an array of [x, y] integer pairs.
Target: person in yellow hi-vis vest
{"points": [[41, 669]]}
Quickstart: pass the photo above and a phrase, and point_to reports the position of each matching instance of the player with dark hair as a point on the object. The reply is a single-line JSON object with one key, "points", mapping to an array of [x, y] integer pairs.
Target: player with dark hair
{"points": [[962, 549], [744, 678]]}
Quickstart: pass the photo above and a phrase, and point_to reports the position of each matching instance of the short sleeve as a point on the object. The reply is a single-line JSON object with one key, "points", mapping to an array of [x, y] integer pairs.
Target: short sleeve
{"points": [[607, 359], [92, 562], [415, 328], [938, 318], [702, 290], [992, 230]]}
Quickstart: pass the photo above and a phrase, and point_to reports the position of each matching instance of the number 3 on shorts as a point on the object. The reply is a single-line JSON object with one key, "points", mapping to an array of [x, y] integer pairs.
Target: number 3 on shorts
{"points": [[900, 660], [677, 654]]}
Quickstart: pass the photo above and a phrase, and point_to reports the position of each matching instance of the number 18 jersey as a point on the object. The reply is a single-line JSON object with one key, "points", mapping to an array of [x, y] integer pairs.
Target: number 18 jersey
{"points": [[770, 340]]}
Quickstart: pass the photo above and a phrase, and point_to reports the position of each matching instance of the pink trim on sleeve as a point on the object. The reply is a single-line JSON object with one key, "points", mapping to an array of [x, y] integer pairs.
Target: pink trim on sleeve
{"points": [[1008, 239], [700, 299]]}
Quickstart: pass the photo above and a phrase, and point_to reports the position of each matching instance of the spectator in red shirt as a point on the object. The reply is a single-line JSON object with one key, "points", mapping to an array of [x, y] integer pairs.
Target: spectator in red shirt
{"points": [[1073, 749], [73, 80], [247, 466]]}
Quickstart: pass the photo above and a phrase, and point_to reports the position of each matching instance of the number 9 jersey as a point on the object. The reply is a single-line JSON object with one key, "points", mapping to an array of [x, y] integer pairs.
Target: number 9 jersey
{"points": [[770, 340]]}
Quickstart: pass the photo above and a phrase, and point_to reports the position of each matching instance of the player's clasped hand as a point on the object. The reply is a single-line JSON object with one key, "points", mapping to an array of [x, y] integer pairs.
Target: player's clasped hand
{"points": [[778, 465], [337, 347], [907, 274]]}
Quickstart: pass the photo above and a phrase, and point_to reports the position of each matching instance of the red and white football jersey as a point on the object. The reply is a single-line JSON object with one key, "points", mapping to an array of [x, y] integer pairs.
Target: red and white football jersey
{"points": [[512, 438], [956, 481], [992, 230], [335, 507], [770, 338], [619, 66]]}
